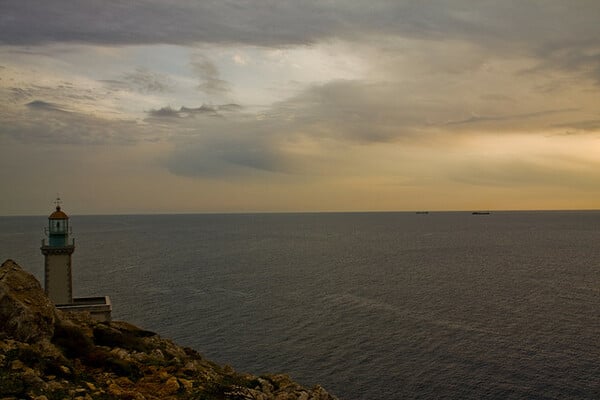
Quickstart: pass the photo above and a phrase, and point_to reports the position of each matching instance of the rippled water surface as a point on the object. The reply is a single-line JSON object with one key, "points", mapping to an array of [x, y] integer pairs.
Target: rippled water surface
{"points": [[371, 306]]}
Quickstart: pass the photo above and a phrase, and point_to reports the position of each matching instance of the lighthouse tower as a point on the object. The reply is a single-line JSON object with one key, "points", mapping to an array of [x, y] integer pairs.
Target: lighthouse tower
{"points": [[57, 270], [57, 257]]}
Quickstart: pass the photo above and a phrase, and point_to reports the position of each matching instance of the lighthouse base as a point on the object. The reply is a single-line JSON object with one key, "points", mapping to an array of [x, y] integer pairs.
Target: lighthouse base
{"points": [[100, 308]]}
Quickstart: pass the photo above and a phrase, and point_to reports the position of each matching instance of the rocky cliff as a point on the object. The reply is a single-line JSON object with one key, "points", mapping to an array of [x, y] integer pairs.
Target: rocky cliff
{"points": [[49, 354]]}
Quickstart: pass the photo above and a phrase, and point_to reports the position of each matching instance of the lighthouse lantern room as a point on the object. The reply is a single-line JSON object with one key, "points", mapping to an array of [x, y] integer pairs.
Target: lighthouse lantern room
{"points": [[58, 227]]}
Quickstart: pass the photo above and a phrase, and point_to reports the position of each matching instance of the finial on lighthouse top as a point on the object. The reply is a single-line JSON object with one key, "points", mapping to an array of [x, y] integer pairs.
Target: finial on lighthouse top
{"points": [[58, 214]]}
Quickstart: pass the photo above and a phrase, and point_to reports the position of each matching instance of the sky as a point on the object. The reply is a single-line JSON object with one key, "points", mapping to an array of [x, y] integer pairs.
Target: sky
{"points": [[190, 106]]}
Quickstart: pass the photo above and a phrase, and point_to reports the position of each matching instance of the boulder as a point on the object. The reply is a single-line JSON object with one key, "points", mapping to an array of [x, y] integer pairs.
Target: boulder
{"points": [[26, 313]]}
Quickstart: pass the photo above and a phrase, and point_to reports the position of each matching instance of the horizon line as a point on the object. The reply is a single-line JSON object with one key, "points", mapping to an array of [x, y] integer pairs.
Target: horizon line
{"points": [[307, 212]]}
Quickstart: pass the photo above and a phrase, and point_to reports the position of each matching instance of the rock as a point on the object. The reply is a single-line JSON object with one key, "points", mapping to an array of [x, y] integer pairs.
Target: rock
{"points": [[124, 382], [25, 321], [140, 357], [256, 394], [135, 396], [115, 390], [54, 386], [31, 377], [163, 375], [121, 353], [186, 383], [171, 386], [265, 386], [158, 354], [303, 396], [318, 393], [190, 367]]}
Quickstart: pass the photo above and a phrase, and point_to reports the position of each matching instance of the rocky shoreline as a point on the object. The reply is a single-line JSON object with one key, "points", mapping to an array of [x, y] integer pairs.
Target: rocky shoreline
{"points": [[48, 354]]}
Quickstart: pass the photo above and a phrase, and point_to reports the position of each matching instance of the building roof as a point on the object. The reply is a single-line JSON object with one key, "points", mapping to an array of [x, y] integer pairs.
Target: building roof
{"points": [[58, 214]]}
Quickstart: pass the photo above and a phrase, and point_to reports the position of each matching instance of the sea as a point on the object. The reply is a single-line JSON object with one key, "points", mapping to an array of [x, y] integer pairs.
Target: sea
{"points": [[445, 305]]}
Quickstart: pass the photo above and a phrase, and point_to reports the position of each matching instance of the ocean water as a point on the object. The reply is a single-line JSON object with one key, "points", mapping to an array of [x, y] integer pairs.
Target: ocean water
{"points": [[369, 305]]}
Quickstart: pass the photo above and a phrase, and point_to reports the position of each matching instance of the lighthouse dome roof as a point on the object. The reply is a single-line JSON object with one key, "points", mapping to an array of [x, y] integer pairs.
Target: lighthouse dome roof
{"points": [[58, 214]]}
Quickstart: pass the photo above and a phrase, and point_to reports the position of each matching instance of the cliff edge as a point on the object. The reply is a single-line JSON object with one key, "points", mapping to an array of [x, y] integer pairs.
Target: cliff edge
{"points": [[47, 354]]}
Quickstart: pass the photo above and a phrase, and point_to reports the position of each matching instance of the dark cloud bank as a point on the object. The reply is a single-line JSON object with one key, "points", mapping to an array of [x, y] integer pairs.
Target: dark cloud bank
{"points": [[273, 23], [562, 34]]}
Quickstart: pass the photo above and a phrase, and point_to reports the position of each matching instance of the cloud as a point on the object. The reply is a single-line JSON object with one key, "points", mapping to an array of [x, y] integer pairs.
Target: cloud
{"points": [[231, 148], [62, 93], [367, 112], [351, 111], [294, 135], [208, 74], [510, 117], [591, 125], [153, 21], [509, 28], [580, 56], [227, 157], [141, 80], [232, 107], [16, 94], [163, 112], [188, 112], [147, 81], [48, 123], [45, 106], [289, 22]]}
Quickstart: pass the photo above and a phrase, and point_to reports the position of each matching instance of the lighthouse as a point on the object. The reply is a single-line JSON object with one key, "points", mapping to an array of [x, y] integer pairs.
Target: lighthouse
{"points": [[57, 253], [58, 275]]}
